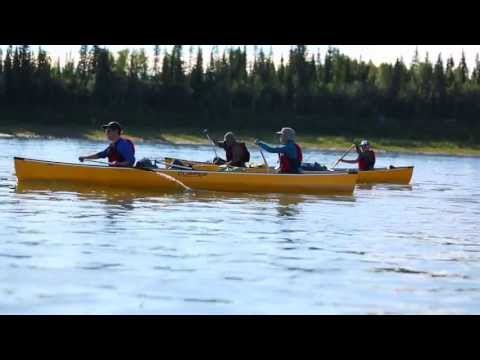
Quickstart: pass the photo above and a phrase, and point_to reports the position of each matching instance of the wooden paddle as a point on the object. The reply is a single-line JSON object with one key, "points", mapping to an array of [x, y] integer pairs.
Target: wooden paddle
{"points": [[171, 178], [344, 154]]}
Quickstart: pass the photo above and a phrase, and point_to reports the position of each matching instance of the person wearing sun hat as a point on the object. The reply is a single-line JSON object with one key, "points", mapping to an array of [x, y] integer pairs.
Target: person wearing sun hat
{"points": [[120, 152], [290, 153]]}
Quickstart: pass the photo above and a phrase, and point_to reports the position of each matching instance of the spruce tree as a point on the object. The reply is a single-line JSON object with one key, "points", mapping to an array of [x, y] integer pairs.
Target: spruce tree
{"points": [[93, 58], [156, 61], [166, 75], [196, 77], [462, 71], [83, 66], [476, 71], [449, 73], [8, 74], [143, 64], [439, 80], [103, 77]]}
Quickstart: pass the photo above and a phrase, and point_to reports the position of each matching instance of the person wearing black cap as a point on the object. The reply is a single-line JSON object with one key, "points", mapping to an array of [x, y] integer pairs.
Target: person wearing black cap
{"points": [[120, 152]]}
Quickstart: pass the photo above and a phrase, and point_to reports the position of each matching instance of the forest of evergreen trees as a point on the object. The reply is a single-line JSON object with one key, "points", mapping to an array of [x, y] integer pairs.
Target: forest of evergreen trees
{"points": [[318, 93]]}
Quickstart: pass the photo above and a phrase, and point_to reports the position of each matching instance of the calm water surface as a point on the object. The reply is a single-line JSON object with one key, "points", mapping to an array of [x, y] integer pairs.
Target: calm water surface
{"points": [[384, 250]]}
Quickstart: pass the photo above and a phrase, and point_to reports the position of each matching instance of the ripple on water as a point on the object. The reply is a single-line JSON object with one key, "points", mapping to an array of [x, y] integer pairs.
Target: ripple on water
{"points": [[421, 272], [100, 266], [15, 256], [207, 300]]}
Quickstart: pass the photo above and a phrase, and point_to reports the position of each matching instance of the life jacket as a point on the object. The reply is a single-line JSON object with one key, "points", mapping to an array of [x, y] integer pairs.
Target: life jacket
{"points": [[114, 154], [245, 153], [291, 166], [366, 161]]}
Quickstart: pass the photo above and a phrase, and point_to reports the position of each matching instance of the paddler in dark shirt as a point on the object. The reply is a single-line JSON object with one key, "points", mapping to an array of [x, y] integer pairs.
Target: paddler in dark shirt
{"points": [[236, 152]]}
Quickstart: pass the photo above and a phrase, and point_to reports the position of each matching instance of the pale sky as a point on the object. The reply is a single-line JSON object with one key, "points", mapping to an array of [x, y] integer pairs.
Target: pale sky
{"points": [[376, 53]]}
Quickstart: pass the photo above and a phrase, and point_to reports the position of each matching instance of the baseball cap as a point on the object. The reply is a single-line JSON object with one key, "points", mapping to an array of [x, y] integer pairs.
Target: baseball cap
{"points": [[288, 132], [112, 125]]}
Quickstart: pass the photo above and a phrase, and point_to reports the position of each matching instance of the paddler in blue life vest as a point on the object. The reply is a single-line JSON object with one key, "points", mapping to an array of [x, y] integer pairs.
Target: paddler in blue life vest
{"points": [[290, 153], [365, 158], [236, 152], [120, 152]]}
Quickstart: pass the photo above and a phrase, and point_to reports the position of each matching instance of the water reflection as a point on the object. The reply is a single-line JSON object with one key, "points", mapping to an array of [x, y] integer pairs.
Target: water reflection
{"points": [[393, 187], [114, 196], [288, 206]]}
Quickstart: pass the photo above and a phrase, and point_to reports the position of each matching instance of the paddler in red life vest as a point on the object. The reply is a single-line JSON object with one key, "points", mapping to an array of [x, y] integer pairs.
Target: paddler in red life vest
{"points": [[120, 152], [366, 157], [236, 152], [290, 153]]}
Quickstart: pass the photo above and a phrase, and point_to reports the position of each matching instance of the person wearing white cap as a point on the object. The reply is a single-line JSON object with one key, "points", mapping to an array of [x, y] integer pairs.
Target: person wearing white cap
{"points": [[290, 153], [366, 157]]}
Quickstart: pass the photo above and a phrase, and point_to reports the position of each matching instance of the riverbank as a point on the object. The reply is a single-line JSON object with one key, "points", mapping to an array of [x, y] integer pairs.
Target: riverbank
{"points": [[189, 136]]}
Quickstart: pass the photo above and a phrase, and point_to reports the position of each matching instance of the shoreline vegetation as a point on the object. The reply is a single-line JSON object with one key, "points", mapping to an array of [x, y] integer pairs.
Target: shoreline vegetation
{"points": [[428, 106], [191, 136]]}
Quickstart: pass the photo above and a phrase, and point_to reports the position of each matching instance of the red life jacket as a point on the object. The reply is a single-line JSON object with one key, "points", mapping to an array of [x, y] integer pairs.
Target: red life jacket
{"points": [[291, 166], [367, 162], [114, 154], [245, 154]]}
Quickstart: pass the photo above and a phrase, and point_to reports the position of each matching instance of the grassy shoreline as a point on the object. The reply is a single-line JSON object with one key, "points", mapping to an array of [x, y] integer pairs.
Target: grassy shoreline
{"points": [[189, 136]]}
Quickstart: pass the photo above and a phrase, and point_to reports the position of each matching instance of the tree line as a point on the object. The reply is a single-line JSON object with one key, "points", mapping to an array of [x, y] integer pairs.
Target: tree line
{"points": [[315, 92]]}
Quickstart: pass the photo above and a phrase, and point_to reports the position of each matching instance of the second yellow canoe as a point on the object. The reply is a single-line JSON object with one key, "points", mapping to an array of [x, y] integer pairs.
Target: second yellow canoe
{"points": [[393, 175]]}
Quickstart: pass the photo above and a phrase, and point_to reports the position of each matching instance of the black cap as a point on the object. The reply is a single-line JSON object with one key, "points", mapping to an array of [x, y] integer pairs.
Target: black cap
{"points": [[112, 125]]}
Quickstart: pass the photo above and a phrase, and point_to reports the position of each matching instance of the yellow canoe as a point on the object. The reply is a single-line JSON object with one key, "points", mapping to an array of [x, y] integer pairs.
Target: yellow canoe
{"points": [[318, 183], [397, 175], [29, 170]]}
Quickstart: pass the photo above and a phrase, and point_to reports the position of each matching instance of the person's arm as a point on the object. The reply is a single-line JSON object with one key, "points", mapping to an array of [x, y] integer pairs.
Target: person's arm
{"points": [[272, 149], [101, 155], [220, 144], [356, 160]]}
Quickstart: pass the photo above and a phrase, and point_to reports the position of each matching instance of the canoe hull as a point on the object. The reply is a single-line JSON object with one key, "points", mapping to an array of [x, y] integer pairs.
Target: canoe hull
{"points": [[28, 170], [399, 175], [324, 183], [319, 183]]}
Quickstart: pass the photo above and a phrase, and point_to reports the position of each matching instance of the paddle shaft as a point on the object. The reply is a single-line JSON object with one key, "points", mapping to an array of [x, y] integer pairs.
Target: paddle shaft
{"points": [[263, 156], [344, 154], [169, 166], [96, 161], [211, 141]]}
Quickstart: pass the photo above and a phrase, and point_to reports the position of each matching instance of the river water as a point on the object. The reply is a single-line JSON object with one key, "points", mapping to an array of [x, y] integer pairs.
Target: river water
{"points": [[384, 250]]}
